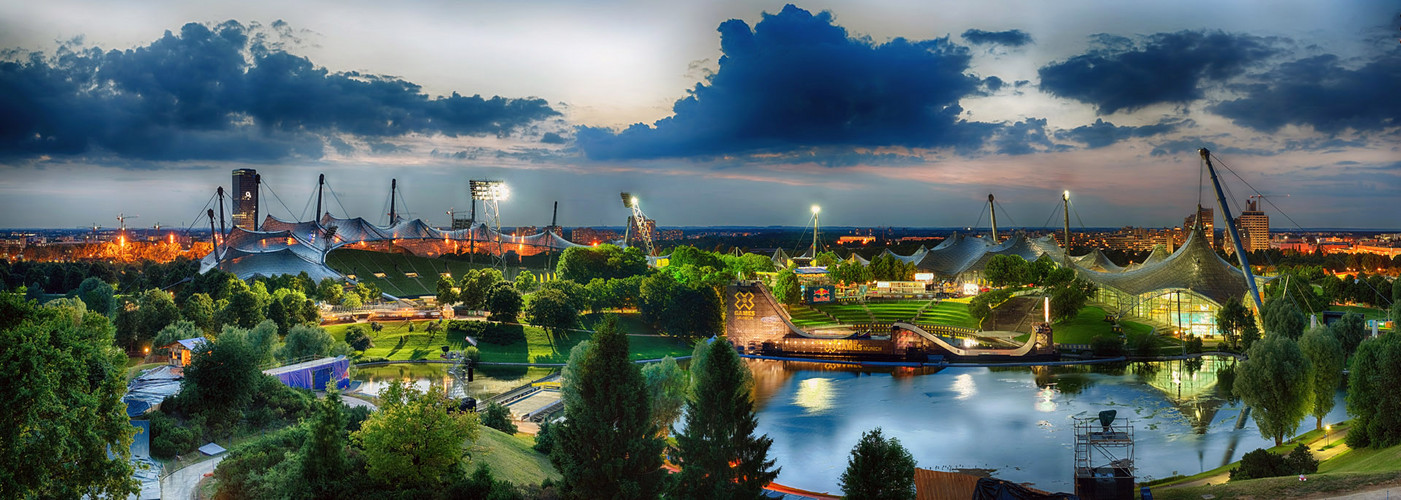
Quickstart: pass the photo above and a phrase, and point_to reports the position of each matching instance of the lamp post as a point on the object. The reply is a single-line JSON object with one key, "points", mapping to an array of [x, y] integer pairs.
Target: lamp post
{"points": [[815, 210], [1327, 429]]}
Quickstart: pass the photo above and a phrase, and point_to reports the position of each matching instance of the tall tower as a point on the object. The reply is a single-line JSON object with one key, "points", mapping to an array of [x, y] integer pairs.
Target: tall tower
{"points": [[1255, 227], [245, 198], [1207, 216]]}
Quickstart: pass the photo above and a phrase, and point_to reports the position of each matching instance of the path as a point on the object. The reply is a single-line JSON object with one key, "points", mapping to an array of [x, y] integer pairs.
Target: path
{"points": [[182, 484], [1321, 455], [1382, 493]]}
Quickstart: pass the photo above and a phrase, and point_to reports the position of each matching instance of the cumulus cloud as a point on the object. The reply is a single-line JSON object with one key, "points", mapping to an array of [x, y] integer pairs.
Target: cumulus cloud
{"points": [[797, 80], [1122, 74], [1322, 93], [1102, 133], [1010, 38], [220, 92]]}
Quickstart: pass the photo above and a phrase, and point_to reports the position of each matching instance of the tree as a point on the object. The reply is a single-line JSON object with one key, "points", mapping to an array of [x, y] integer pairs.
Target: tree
{"points": [[718, 453], [199, 309], [607, 444], [474, 287], [879, 468], [504, 303], [1234, 322], [99, 296], [446, 295], [157, 310], [1282, 318], [526, 282], [277, 313], [497, 416], [330, 291], [323, 460], [849, 273], [552, 310], [785, 288], [1007, 270], [305, 341], [694, 312], [1277, 381], [243, 310], [577, 295], [63, 409], [358, 339], [1067, 299], [666, 386], [351, 301], [179, 330], [826, 259], [582, 264], [1326, 354], [413, 440], [221, 377], [1372, 398], [1350, 330], [544, 438]]}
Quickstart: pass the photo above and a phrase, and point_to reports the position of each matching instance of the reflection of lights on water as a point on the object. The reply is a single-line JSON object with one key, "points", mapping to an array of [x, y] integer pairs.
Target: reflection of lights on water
{"points": [[963, 385], [969, 343], [1045, 400], [1176, 377], [816, 395]]}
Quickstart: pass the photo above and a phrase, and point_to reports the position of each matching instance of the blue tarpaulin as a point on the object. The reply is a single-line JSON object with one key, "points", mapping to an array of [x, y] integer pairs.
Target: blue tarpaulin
{"points": [[314, 374]]}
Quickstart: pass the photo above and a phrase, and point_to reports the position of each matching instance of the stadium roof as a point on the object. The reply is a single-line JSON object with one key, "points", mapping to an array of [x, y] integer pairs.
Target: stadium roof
{"points": [[1194, 267], [1097, 261], [296, 247]]}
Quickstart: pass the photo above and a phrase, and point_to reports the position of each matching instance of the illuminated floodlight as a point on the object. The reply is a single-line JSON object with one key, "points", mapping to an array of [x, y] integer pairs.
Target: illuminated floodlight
{"points": [[486, 190], [816, 209], [1066, 195]]}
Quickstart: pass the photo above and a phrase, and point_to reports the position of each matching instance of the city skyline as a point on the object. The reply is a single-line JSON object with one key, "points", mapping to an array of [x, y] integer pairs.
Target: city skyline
{"points": [[728, 113]]}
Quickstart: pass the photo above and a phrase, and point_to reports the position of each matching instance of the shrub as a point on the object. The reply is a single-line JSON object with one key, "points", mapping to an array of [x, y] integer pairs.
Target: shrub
{"points": [[544, 442], [497, 416], [168, 438], [1261, 463], [1106, 345], [1194, 344]]}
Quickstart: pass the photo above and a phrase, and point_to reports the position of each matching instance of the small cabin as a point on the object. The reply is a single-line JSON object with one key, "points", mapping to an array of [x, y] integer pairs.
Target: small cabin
{"points": [[182, 351]]}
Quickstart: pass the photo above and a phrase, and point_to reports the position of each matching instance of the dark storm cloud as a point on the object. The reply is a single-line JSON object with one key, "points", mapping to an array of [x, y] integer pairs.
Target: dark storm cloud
{"points": [[1025, 137], [1121, 74], [1322, 93], [797, 80], [215, 93], [552, 138], [1010, 38], [1190, 145], [1102, 133]]}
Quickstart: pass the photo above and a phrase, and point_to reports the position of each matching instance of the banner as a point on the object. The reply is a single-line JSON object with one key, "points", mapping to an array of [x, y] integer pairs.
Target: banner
{"points": [[824, 294]]}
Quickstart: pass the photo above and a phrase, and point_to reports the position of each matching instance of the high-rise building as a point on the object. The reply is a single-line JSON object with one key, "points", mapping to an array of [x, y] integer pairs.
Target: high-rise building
{"points": [[245, 198], [1207, 216], [1254, 227]]}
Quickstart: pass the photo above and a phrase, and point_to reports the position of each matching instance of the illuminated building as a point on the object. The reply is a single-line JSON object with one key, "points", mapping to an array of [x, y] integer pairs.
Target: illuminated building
{"points": [[245, 198], [1254, 227]]}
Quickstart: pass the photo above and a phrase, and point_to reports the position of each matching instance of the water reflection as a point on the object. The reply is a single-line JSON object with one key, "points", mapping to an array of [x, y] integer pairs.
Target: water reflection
{"points": [[487, 382], [1014, 420]]}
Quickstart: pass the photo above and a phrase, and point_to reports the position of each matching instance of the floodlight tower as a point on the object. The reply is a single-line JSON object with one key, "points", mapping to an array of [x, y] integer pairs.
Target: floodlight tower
{"points": [[815, 210], [992, 209], [640, 220], [490, 193]]}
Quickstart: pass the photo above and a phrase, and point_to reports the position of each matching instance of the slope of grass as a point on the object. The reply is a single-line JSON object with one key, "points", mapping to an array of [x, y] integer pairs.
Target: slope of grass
{"points": [[846, 313], [1366, 312], [807, 316], [629, 323], [1084, 327], [364, 263], [511, 458], [533, 345], [949, 312]]}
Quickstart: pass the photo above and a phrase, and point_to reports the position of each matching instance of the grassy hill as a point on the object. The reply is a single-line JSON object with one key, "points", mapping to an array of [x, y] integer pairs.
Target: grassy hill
{"points": [[511, 458], [533, 344], [398, 270]]}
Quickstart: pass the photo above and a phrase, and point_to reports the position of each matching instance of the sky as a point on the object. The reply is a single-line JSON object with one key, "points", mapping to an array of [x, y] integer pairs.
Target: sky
{"points": [[729, 112]]}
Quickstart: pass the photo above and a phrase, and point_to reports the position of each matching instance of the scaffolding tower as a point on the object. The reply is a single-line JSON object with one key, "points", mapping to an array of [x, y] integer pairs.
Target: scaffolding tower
{"points": [[1104, 460]]}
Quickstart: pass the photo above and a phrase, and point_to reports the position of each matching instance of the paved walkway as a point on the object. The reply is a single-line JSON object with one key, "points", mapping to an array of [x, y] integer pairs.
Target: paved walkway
{"points": [[182, 484], [1383, 493]]}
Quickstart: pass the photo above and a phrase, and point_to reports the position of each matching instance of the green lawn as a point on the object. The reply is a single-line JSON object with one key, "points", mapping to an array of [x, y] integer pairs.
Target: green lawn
{"points": [[1090, 323], [904, 310], [807, 316], [397, 343], [949, 312], [846, 313], [629, 323], [511, 457], [1366, 312]]}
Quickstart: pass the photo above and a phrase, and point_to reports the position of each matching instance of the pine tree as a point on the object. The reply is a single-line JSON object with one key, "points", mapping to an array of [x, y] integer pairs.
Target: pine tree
{"points": [[607, 445], [718, 453]]}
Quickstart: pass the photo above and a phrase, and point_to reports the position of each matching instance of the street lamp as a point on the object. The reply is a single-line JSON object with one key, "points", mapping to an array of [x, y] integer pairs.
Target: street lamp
{"points": [[1326, 430]]}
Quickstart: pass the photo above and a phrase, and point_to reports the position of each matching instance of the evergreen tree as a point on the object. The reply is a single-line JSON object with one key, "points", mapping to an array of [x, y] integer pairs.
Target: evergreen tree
{"points": [[323, 460], [607, 445], [879, 469], [785, 288], [718, 453]]}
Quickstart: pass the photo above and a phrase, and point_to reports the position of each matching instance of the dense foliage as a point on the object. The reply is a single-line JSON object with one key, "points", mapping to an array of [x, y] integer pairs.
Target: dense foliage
{"points": [[582, 264], [1372, 398], [63, 409], [1276, 380], [413, 440], [1261, 463], [1326, 354], [879, 469]]}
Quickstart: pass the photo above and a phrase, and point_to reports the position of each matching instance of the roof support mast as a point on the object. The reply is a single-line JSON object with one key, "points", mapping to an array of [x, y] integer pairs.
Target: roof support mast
{"points": [[1231, 228], [393, 186], [1065, 197], [320, 181], [993, 210]]}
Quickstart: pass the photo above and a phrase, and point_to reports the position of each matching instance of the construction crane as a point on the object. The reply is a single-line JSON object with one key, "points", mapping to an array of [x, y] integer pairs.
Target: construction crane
{"points": [[640, 221], [122, 218]]}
